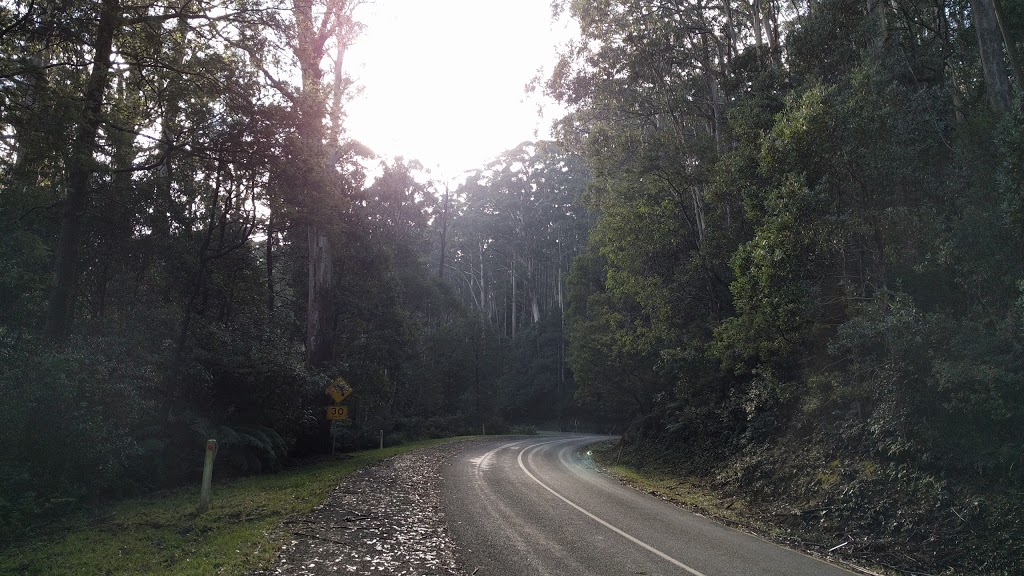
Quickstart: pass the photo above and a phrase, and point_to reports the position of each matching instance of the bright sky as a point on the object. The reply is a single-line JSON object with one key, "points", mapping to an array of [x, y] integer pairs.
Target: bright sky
{"points": [[443, 80]]}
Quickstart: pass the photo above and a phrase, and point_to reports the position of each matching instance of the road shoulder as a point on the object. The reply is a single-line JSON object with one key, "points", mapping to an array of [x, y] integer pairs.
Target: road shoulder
{"points": [[387, 518]]}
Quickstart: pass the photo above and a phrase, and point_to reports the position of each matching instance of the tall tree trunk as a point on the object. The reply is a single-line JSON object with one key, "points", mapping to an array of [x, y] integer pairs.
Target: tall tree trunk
{"points": [[483, 285], [80, 168], [270, 266], [1011, 45], [755, 16], [444, 237], [730, 28], [531, 275], [514, 310], [771, 27], [561, 343], [169, 129], [876, 12], [319, 301], [315, 175], [990, 46]]}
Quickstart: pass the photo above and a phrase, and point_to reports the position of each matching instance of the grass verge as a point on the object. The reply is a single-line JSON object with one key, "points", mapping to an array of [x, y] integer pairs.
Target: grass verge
{"points": [[162, 534], [685, 491], [696, 495]]}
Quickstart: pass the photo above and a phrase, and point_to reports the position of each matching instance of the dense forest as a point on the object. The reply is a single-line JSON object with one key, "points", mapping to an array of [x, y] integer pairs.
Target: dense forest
{"points": [[192, 247], [779, 245], [806, 278]]}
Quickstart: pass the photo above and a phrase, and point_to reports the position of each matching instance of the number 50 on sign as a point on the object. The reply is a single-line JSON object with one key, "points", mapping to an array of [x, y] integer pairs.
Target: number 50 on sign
{"points": [[337, 412]]}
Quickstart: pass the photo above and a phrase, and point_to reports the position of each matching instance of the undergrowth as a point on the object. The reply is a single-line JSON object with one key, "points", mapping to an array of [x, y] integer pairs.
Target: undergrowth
{"points": [[889, 516], [162, 534]]}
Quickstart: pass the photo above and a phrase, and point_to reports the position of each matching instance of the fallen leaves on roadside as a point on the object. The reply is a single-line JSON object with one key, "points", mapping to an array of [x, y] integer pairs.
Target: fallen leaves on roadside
{"points": [[386, 519]]}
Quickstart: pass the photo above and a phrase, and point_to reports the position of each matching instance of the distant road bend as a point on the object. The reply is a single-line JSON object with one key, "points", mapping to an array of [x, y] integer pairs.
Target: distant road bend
{"points": [[540, 506]]}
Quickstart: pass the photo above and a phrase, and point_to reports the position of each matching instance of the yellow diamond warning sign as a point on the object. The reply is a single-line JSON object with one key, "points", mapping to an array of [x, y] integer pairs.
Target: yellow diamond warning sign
{"points": [[339, 389]]}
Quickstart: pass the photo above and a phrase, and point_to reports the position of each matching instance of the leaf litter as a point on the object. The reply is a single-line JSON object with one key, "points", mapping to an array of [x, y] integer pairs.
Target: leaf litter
{"points": [[384, 519]]}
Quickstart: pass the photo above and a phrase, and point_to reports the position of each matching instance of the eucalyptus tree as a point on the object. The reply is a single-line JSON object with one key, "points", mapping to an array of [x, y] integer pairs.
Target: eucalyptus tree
{"points": [[73, 69], [515, 228], [301, 55], [520, 221]]}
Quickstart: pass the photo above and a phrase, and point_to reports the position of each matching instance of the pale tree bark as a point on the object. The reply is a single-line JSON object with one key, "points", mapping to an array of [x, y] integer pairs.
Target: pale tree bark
{"points": [[483, 285], [345, 28], [169, 131], [319, 302], [1011, 45], [990, 46], [444, 234], [531, 274], [876, 12], [81, 166], [316, 174], [512, 270], [730, 28], [755, 16], [271, 304], [771, 27]]}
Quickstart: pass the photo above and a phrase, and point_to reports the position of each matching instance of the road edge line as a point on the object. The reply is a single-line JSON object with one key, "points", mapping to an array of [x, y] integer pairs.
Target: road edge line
{"points": [[600, 521]]}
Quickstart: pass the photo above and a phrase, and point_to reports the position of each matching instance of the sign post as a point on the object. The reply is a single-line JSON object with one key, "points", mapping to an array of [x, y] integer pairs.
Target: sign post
{"points": [[338, 390]]}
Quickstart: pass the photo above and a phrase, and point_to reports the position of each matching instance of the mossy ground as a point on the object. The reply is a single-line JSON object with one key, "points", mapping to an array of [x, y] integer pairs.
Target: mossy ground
{"points": [[162, 534]]}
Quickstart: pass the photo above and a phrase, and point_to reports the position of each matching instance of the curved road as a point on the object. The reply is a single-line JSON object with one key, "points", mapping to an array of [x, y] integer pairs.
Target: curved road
{"points": [[540, 506]]}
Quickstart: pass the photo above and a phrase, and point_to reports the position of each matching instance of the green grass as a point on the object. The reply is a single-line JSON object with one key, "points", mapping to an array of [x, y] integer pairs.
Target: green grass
{"points": [[686, 491], [163, 535]]}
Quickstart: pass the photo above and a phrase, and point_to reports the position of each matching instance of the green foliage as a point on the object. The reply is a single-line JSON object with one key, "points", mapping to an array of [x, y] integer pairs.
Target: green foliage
{"points": [[68, 427], [835, 268], [161, 534], [530, 388]]}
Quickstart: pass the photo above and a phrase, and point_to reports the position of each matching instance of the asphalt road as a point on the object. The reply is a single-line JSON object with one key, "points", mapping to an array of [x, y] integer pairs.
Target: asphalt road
{"points": [[540, 506]]}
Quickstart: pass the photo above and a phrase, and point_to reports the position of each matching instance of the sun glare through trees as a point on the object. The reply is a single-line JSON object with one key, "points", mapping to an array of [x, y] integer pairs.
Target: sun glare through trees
{"points": [[776, 245]]}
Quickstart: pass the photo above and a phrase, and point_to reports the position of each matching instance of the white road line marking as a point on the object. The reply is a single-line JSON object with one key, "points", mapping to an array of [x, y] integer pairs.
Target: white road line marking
{"points": [[484, 462], [625, 535]]}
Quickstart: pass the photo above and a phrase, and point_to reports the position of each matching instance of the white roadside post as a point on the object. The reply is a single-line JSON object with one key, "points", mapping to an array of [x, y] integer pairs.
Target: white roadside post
{"points": [[204, 493]]}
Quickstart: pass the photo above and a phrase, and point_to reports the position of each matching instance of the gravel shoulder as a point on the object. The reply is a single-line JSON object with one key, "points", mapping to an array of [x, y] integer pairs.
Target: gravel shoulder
{"points": [[385, 519]]}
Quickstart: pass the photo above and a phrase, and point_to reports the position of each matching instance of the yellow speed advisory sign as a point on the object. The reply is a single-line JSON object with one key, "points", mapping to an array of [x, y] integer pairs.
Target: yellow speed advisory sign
{"points": [[337, 412]]}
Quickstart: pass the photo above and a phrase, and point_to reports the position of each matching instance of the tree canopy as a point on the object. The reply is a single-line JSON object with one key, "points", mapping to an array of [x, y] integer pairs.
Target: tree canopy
{"points": [[780, 244]]}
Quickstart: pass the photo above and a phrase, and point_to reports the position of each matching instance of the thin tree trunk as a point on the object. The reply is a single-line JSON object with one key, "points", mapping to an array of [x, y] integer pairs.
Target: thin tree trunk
{"points": [[270, 267], [561, 343], [169, 127], [771, 27], [531, 275], [81, 167], [476, 376], [730, 28], [990, 46], [444, 236], [514, 311], [483, 285], [876, 12], [755, 9], [1011, 45]]}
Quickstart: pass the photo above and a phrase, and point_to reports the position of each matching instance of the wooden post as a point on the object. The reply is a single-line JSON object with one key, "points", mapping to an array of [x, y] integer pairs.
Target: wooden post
{"points": [[204, 493]]}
